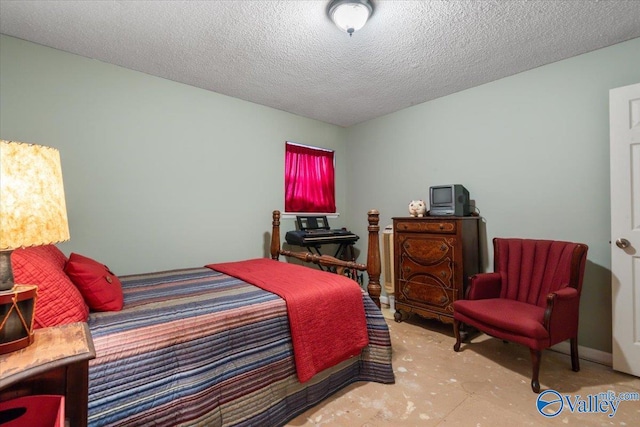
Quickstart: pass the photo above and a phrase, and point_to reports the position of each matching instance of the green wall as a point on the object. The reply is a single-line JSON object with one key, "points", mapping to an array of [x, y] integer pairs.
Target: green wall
{"points": [[162, 175], [533, 151], [157, 174]]}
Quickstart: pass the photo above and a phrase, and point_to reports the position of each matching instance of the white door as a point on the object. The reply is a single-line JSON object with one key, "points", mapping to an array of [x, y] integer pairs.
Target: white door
{"points": [[624, 105]]}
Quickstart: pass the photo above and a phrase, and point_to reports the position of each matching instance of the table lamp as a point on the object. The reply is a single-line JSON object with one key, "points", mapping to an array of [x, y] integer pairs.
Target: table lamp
{"points": [[32, 213]]}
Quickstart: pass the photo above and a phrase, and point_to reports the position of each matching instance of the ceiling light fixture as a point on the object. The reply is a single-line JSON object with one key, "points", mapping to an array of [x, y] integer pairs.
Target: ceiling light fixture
{"points": [[350, 15]]}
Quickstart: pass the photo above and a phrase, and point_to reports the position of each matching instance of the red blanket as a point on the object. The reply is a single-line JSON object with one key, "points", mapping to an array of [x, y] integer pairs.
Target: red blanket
{"points": [[326, 313]]}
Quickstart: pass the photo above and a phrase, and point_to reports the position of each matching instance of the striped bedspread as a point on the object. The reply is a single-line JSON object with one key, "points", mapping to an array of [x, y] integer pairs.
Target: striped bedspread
{"points": [[197, 347]]}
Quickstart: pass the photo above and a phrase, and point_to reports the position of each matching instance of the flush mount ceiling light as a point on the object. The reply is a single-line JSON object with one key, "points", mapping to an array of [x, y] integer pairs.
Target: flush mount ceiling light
{"points": [[350, 15]]}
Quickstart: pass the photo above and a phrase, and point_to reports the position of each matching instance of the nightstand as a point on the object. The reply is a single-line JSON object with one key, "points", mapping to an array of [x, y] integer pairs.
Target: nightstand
{"points": [[56, 363]]}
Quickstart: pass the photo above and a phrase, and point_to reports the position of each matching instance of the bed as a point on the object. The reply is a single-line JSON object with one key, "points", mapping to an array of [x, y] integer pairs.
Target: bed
{"points": [[196, 346]]}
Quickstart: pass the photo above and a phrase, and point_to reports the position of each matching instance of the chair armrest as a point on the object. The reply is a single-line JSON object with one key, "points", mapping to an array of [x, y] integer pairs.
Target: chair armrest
{"points": [[564, 294], [484, 285], [561, 314]]}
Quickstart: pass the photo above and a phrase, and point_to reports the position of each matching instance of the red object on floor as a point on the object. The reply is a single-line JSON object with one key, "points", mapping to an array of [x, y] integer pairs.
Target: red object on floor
{"points": [[33, 411]]}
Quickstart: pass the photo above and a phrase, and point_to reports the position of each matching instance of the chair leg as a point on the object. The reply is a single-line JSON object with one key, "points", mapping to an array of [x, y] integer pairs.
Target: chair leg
{"points": [[575, 360], [535, 362], [456, 331]]}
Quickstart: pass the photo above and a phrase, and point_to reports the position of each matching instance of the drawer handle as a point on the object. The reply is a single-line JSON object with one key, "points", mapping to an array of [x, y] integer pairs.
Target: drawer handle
{"points": [[443, 273], [441, 226], [443, 247]]}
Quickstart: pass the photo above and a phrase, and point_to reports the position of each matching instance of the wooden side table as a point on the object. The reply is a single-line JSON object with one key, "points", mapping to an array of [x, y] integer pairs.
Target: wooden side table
{"points": [[56, 363]]}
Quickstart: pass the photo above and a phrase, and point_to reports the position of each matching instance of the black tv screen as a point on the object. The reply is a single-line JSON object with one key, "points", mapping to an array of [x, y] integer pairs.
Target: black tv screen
{"points": [[442, 195]]}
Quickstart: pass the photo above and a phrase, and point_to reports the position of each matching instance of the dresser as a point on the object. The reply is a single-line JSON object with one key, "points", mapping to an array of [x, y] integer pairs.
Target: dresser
{"points": [[434, 257]]}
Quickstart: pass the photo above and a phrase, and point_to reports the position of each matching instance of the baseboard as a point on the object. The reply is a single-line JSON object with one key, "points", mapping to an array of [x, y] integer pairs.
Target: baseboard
{"points": [[586, 353], [384, 299]]}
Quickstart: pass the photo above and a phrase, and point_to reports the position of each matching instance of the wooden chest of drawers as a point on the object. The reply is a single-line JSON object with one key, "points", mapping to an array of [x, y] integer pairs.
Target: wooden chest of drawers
{"points": [[434, 257]]}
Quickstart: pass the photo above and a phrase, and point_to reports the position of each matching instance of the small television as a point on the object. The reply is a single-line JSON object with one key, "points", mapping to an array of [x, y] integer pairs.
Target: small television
{"points": [[449, 200]]}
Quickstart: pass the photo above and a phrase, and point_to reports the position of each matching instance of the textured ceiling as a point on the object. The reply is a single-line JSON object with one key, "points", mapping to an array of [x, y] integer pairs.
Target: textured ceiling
{"points": [[288, 54]]}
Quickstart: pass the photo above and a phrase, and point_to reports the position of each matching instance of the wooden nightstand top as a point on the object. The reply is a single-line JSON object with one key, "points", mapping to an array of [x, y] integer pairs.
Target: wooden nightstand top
{"points": [[52, 348]]}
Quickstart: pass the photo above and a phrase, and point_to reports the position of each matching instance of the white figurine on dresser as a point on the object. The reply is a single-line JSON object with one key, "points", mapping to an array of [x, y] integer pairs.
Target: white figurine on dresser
{"points": [[417, 208]]}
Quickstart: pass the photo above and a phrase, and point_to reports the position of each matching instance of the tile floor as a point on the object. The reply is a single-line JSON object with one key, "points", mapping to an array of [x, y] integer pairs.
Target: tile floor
{"points": [[486, 384]]}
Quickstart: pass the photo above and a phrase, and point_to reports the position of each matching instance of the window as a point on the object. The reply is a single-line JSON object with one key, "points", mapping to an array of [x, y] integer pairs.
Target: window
{"points": [[309, 179]]}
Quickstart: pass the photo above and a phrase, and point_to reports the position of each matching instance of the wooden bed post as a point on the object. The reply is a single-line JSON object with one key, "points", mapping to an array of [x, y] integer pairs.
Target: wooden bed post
{"points": [[275, 236], [373, 257], [373, 265]]}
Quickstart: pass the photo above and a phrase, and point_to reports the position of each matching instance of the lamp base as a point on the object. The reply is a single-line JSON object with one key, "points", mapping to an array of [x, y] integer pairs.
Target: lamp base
{"points": [[6, 273], [17, 308]]}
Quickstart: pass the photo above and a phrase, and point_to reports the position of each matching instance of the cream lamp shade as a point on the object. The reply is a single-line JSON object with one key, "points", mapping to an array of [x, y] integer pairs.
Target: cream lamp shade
{"points": [[32, 204]]}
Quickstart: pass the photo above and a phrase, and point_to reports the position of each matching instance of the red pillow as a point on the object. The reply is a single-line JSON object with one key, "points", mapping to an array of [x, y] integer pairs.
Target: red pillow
{"points": [[100, 288], [58, 300]]}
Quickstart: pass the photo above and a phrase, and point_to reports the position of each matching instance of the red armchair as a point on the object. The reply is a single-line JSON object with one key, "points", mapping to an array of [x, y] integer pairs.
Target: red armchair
{"points": [[532, 297]]}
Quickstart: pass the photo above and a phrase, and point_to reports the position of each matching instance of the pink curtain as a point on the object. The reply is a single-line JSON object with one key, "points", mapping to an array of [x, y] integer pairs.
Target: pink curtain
{"points": [[309, 180]]}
